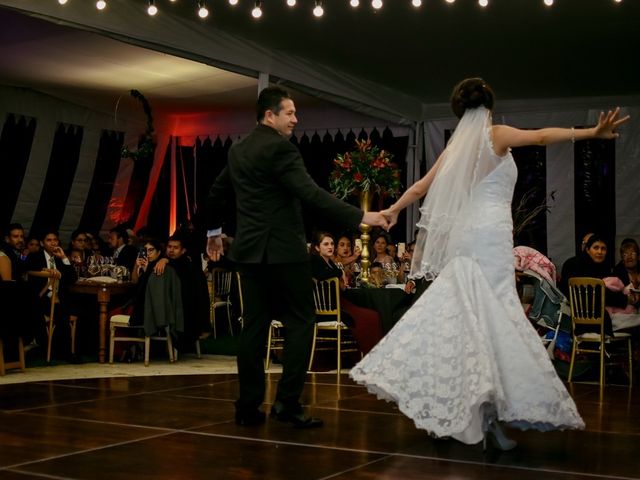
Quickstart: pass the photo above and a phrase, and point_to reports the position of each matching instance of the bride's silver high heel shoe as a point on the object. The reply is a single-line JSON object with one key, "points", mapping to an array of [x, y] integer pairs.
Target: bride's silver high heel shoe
{"points": [[498, 438]]}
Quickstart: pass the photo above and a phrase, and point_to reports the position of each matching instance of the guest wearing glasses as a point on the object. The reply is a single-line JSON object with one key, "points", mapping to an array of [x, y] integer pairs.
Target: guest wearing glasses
{"points": [[158, 299], [627, 270]]}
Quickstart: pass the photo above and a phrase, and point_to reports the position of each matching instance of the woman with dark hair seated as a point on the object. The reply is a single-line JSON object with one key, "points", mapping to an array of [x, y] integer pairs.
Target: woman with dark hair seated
{"points": [[627, 270], [592, 263], [365, 324]]}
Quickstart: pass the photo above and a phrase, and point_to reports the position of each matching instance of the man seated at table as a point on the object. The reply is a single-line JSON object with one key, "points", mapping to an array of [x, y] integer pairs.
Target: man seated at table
{"points": [[123, 253], [13, 246], [52, 261], [195, 295]]}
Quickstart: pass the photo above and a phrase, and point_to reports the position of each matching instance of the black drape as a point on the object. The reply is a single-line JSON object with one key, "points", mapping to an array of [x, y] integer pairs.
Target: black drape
{"points": [[595, 202], [158, 218], [63, 162], [137, 186], [530, 192], [15, 147], [104, 176]]}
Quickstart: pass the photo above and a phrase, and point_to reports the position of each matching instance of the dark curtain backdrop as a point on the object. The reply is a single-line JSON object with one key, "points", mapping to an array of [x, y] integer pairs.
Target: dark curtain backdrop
{"points": [[210, 157], [104, 175], [138, 185], [595, 202], [158, 218], [15, 147], [531, 192], [63, 162]]}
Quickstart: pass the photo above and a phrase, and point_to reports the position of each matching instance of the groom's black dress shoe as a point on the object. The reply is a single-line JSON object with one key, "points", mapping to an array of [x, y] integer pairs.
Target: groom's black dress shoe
{"points": [[297, 419], [248, 418]]}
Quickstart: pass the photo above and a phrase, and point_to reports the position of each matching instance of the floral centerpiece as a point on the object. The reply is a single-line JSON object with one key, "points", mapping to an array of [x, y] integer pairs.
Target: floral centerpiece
{"points": [[365, 169]]}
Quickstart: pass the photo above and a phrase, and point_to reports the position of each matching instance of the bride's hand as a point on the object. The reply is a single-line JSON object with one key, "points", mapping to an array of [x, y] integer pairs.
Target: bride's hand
{"points": [[391, 215], [608, 122]]}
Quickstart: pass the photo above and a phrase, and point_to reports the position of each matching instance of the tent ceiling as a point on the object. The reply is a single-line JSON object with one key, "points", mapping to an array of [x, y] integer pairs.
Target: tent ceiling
{"points": [[522, 48]]}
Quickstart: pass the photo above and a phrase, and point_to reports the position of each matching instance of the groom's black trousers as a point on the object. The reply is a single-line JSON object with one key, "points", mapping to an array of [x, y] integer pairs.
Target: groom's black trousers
{"points": [[281, 292]]}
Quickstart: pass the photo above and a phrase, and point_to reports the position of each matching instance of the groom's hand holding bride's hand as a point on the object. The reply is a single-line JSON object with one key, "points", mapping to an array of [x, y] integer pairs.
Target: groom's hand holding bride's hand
{"points": [[391, 216], [376, 219]]}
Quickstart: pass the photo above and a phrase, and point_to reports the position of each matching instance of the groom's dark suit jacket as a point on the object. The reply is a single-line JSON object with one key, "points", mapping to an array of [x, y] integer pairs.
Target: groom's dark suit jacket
{"points": [[270, 181]]}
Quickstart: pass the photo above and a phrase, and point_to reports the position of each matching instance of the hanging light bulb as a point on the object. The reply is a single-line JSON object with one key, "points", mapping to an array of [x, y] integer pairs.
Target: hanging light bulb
{"points": [[450, 1], [62, 2], [152, 9], [257, 10], [416, 3], [101, 4], [233, 2], [354, 3], [318, 11], [291, 3], [548, 3], [377, 4], [203, 11], [483, 3]]}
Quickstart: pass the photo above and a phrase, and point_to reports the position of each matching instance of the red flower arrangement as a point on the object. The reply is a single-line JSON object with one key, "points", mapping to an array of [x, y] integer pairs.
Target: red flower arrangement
{"points": [[365, 169]]}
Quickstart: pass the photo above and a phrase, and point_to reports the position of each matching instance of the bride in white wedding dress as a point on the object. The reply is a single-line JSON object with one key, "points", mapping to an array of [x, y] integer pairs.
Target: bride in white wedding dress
{"points": [[465, 356]]}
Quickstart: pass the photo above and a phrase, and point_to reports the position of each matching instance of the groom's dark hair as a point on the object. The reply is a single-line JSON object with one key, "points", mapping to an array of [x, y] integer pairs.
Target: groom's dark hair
{"points": [[270, 99]]}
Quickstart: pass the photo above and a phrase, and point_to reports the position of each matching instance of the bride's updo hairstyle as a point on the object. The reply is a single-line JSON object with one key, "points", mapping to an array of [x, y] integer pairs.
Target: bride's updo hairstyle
{"points": [[471, 93]]}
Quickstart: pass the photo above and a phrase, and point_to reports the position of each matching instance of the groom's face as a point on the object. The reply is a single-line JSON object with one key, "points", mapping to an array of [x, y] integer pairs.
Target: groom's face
{"points": [[285, 120]]}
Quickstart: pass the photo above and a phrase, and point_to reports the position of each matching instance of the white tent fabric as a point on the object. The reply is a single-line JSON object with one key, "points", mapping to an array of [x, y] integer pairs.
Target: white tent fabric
{"points": [[194, 40]]}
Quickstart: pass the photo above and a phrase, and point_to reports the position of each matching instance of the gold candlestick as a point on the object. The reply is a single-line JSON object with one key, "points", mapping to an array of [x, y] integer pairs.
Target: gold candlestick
{"points": [[365, 204]]}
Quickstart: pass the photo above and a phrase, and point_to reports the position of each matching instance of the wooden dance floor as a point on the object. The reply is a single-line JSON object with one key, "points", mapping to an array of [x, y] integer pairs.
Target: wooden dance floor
{"points": [[181, 427]]}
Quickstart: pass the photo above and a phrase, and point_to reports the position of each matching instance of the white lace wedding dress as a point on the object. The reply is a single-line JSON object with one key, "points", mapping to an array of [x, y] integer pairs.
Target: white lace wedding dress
{"points": [[465, 353]]}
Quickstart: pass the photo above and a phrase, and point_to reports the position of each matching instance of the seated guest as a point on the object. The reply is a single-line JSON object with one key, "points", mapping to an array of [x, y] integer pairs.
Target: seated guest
{"points": [[79, 251], [195, 295], [346, 257], [158, 299], [14, 249], [5, 266], [32, 244], [570, 264], [627, 270], [592, 263], [123, 253], [365, 324], [52, 260], [18, 317], [380, 255]]}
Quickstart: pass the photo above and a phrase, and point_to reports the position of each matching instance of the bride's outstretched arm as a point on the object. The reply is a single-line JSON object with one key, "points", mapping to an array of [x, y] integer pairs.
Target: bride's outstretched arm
{"points": [[414, 193], [505, 136]]}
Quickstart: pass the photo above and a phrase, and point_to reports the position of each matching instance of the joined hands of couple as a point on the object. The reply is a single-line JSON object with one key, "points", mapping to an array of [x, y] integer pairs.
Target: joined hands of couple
{"points": [[385, 219]]}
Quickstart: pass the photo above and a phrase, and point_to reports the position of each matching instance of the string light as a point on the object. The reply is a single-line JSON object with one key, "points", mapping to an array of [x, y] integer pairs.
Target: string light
{"points": [[257, 10], [318, 11], [152, 9], [203, 11]]}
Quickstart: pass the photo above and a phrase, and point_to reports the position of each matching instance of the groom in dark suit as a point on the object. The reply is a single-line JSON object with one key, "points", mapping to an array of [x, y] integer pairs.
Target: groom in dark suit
{"points": [[270, 182]]}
